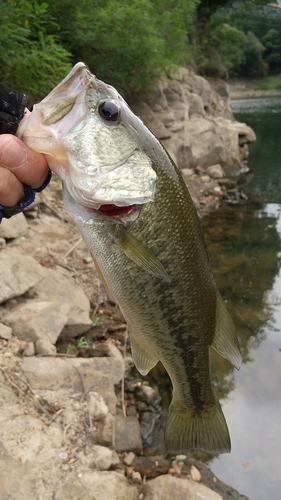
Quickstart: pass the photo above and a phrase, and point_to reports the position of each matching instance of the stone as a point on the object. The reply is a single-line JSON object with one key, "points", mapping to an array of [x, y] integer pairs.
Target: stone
{"points": [[44, 346], [2, 243], [147, 394], [151, 466], [104, 431], [14, 227], [129, 458], [57, 286], [166, 487], [29, 349], [18, 273], [97, 485], [96, 405], [127, 434], [33, 320], [101, 457], [215, 171], [78, 375], [17, 480], [5, 331]]}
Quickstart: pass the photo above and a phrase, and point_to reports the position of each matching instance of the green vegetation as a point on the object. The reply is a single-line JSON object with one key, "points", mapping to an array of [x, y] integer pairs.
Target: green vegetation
{"points": [[272, 82], [129, 43]]}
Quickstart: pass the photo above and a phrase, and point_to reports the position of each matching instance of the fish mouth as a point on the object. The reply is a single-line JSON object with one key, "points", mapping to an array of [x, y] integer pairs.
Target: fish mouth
{"points": [[115, 211]]}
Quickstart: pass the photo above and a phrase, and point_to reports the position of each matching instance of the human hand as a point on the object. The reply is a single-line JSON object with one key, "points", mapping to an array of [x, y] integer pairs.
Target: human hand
{"points": [[19, 165]]}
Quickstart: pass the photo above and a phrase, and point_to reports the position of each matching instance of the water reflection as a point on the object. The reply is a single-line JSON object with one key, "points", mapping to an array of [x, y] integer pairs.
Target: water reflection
{"points": [[244, 244]]}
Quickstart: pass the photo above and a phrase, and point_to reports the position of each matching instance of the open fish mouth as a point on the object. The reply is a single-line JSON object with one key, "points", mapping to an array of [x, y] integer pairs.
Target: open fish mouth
{"points": [[81, 126]]}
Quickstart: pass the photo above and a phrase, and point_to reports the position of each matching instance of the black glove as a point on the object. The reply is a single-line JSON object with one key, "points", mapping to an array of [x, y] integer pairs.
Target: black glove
{"points": [[12, 109]]}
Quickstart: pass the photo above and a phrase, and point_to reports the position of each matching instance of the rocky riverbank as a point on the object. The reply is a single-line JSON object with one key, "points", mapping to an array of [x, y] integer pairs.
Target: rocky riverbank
{"points": [[66, 381], [72, 411]]}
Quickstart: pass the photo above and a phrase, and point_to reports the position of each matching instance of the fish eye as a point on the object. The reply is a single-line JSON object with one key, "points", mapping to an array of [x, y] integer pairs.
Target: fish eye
{"points": [[109, 111]]}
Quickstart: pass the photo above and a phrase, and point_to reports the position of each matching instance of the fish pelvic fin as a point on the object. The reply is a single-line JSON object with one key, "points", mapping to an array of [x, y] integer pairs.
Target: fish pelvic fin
{"points": [[144, 361], [225, 341], [141, 255], [206, 430]]}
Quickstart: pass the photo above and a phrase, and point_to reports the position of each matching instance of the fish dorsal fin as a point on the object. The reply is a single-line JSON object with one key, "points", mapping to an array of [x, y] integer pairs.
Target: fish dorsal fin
{"points": [[225, 341], [144, 361], [140, 254]]}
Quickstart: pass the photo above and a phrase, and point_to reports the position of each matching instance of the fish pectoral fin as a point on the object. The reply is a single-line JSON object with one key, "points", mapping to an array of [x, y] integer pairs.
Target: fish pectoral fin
{"points": [[144, 361], [225, 341], [141, 255]]}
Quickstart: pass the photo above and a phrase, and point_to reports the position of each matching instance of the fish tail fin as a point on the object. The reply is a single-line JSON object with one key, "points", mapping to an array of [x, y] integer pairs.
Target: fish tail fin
{"points": [[206, 430]]}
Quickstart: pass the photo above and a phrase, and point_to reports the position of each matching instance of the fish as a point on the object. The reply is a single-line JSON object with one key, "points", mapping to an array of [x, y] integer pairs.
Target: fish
{"points": [[135, 213]]}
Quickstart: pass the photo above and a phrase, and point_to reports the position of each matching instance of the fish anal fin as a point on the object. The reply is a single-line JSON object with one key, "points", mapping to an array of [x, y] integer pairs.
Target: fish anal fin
{"points": [[143, 359], [187, 430], [141, 255], [225, 341]]}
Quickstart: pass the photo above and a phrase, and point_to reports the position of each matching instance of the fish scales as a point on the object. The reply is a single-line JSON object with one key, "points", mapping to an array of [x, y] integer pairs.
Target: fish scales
{"points": [[151, 255]]}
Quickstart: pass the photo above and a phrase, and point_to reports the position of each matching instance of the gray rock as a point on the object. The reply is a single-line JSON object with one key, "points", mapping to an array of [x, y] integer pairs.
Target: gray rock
{"points": [[101, 457], [17, 480], [166, 487], [104, 430], [76, 375], [5, 331], [34, 320], [127, 434], [97, 485], [29, 349], [57, 286], [14, 227], [18, 273], [147, 394], [96, 405], [2, 243], [44, 346], [215, 171]]}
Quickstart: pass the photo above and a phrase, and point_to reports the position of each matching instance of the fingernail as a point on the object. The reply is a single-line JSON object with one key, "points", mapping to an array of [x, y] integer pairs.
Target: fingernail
{"points": [[13, 155]]}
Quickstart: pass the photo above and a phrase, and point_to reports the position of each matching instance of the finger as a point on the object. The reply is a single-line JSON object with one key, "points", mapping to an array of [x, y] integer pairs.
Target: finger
{"points": [[11, 189], [28, 166]]}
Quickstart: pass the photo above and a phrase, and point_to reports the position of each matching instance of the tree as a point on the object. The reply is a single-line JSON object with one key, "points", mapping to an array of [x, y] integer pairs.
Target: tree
{"points": [[272, 44], [230, 43], [128, 43], [31, 59]]}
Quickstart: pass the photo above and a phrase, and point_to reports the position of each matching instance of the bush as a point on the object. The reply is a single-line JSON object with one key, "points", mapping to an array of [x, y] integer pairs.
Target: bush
{"points": [[230, 43], [31, 60]]}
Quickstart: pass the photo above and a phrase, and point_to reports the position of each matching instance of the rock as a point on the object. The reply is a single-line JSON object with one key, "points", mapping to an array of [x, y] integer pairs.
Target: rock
{"points": [[34, 320], [57, 286], [17, 480], [147, 394], [104, 431], [215, 171], [195, 473], [96, 405], [129, 458], [101, 457], [5, 331], [18, 273], [96, 486], [166, 487], [193, 119], [44, 346], [151, 466], [2, 243], [127, 434], [76, 375], [187, 172], [29, 349], [14, 227]]}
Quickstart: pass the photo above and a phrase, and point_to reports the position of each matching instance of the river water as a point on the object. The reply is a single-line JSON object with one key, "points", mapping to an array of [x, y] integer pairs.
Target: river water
{"points": [[244, 242]]}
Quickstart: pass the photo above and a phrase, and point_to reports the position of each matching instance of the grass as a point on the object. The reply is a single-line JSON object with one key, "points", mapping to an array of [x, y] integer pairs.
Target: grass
{"points": [[272, 82]]}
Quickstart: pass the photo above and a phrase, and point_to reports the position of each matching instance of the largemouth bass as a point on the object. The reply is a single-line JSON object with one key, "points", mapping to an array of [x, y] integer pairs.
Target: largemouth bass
{"points": [[135, 213]]}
